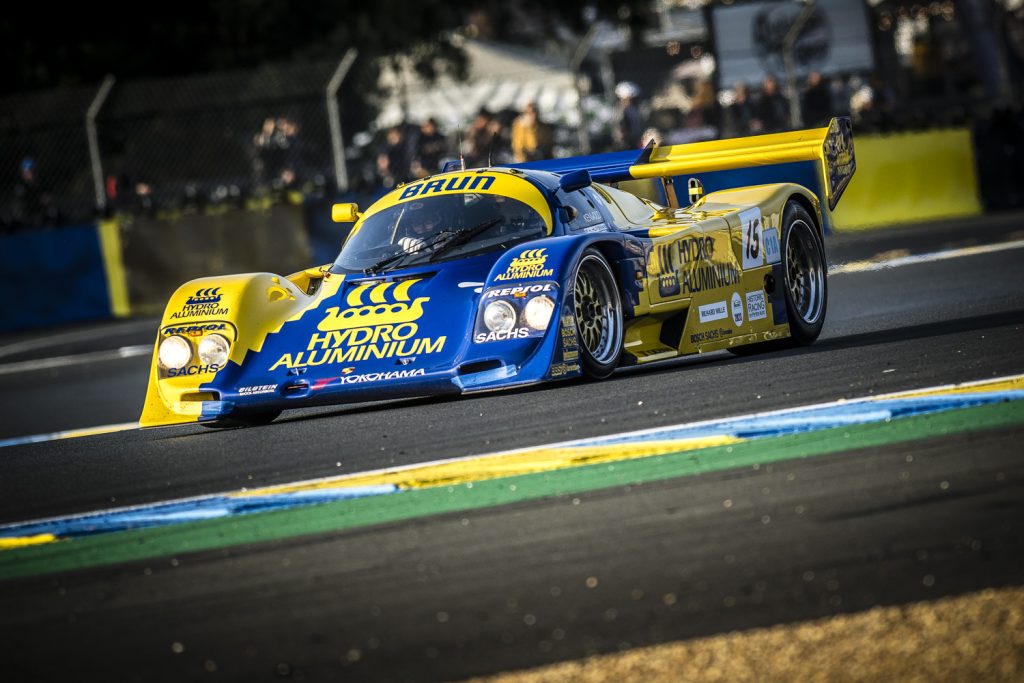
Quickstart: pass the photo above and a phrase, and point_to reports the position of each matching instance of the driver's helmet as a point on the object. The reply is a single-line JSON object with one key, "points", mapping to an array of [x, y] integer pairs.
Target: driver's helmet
{"points": [[422, 222]]}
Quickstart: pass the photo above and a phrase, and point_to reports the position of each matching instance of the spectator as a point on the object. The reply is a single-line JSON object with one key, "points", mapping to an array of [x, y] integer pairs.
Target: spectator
{"points": [[629, 124], [531, 138], [738, 114], [817, 102], [484, 139], [770, 109], [276, 151], [430, 147], [33, 207], [394, 163], [704, 116]]}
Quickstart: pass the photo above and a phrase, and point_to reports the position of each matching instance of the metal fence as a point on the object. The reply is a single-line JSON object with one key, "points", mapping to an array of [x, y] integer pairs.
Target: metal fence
{"points": [[167, 145]]}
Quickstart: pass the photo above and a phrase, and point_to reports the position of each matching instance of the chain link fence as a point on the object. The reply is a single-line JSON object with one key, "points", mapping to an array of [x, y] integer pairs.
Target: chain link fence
{"points": [[45, 177], [165, 146]]}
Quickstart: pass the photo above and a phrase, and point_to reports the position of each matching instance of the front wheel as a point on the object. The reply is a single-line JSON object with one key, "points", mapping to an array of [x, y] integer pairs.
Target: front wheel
{"points": [[598, 309]]}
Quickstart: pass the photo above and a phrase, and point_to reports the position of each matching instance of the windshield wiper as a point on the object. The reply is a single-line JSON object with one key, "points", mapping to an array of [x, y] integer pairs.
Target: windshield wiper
{"points": [[388, 260], [464, 235], [444, 240]]}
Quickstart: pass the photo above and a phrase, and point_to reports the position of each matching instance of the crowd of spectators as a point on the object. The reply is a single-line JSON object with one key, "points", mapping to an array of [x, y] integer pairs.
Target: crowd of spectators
{"points": [[408, 152], [695, 112]]}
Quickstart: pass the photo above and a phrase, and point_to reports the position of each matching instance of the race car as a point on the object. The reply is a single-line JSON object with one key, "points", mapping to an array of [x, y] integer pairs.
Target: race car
{"points": [[483, 279]]}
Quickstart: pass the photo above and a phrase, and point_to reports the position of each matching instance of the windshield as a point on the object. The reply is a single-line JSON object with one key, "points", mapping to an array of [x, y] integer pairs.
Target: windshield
{"points": [[438, 228]]}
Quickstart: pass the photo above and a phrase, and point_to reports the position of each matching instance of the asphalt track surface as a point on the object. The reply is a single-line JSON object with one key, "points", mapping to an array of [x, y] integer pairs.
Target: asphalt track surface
{"points": [[457, 595]]}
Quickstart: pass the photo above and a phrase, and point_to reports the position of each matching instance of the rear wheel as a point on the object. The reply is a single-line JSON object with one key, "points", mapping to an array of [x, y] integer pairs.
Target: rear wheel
{"points": [[805, 281], [598, 309], [805, 274], [247, 419]]}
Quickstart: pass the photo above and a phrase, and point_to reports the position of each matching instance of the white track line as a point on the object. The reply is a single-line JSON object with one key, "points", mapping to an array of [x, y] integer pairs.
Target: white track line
{"points": [[81, 335], [77, 359], [339, 479], [873, 265]]}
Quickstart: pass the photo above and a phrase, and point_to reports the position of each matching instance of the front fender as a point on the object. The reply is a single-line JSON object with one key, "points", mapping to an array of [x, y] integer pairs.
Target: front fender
{"points": [[245, 309]]}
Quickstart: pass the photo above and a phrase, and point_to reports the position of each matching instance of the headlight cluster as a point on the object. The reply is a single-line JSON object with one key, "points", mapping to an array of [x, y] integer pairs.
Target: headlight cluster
{"points": [[213, 350], [175, 351], [537, 313], [501, 316]]}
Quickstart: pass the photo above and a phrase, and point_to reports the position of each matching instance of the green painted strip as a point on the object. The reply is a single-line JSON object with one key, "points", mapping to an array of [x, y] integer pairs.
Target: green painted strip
{"points": [[144, 544]]}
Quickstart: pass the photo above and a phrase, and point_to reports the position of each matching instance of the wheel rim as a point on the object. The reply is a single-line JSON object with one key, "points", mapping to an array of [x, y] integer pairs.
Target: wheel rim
{"points": [[805, 272], [596, 305]]}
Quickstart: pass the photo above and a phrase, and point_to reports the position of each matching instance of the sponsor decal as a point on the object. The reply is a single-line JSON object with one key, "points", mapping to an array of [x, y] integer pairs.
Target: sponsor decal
{"points": [[569, 340], [672, 256], [203, 297], [563, 369], [401, 308], [668, 285], [737, 309], [382, 376], [365, 378], [839, 158], [193, 370], [753, 238], [686, 267], [529, 265], [465, 183], [756, 308], [709, 335], [713, 276], [257, 389], [385, 327], [514, 333], [519, 291], [204, 303], [771, 246], [193, 330], [711, 312]]}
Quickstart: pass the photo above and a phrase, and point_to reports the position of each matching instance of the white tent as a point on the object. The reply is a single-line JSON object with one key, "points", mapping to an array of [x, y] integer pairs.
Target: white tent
{"points": [[500, 77]]}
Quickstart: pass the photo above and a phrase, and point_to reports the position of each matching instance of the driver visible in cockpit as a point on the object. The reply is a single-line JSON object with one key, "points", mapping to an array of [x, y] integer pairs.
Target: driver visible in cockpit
{"points": [[423, 223]]}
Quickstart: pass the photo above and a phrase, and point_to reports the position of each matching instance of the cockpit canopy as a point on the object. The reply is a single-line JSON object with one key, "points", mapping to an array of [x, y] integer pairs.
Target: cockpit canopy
{"points": [[436, 228]]}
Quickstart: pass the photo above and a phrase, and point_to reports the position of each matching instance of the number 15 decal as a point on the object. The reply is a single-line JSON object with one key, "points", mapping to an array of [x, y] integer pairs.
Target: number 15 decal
{"points": [[753, 238]]}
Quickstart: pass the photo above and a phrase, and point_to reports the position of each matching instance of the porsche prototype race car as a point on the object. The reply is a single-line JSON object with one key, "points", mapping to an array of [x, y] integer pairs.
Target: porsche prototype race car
{"points": [[483, 279]]}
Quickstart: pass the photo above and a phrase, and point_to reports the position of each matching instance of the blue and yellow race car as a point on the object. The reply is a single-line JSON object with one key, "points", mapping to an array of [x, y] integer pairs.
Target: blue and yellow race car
{"points": [[483, 279]]}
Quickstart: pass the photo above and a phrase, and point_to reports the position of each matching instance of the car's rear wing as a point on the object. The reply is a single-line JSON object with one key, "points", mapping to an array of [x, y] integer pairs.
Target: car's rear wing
{"points": [[820, 159]]}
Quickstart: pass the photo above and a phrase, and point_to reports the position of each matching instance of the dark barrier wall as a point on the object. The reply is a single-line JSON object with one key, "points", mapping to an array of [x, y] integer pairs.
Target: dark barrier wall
{"points": [[51, 277], [161, 254]]}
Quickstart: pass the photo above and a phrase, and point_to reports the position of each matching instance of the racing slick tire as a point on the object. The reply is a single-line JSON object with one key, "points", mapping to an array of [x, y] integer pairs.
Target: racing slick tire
{"points": [[805, 281], [248, 419], [598, 309], [805, 274]]}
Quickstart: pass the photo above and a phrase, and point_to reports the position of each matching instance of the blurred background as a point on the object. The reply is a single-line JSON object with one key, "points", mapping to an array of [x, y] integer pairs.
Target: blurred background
{"points": [[142, 149]]}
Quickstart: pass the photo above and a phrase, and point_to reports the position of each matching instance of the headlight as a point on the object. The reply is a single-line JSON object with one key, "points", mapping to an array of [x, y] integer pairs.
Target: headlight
{"points": [[537, 313], [499, 316], [175, 352], [213, 350]]}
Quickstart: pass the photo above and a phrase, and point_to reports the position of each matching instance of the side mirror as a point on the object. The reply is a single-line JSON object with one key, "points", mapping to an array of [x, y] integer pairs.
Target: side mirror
{"points": [[575, 180], [345, 213]]}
